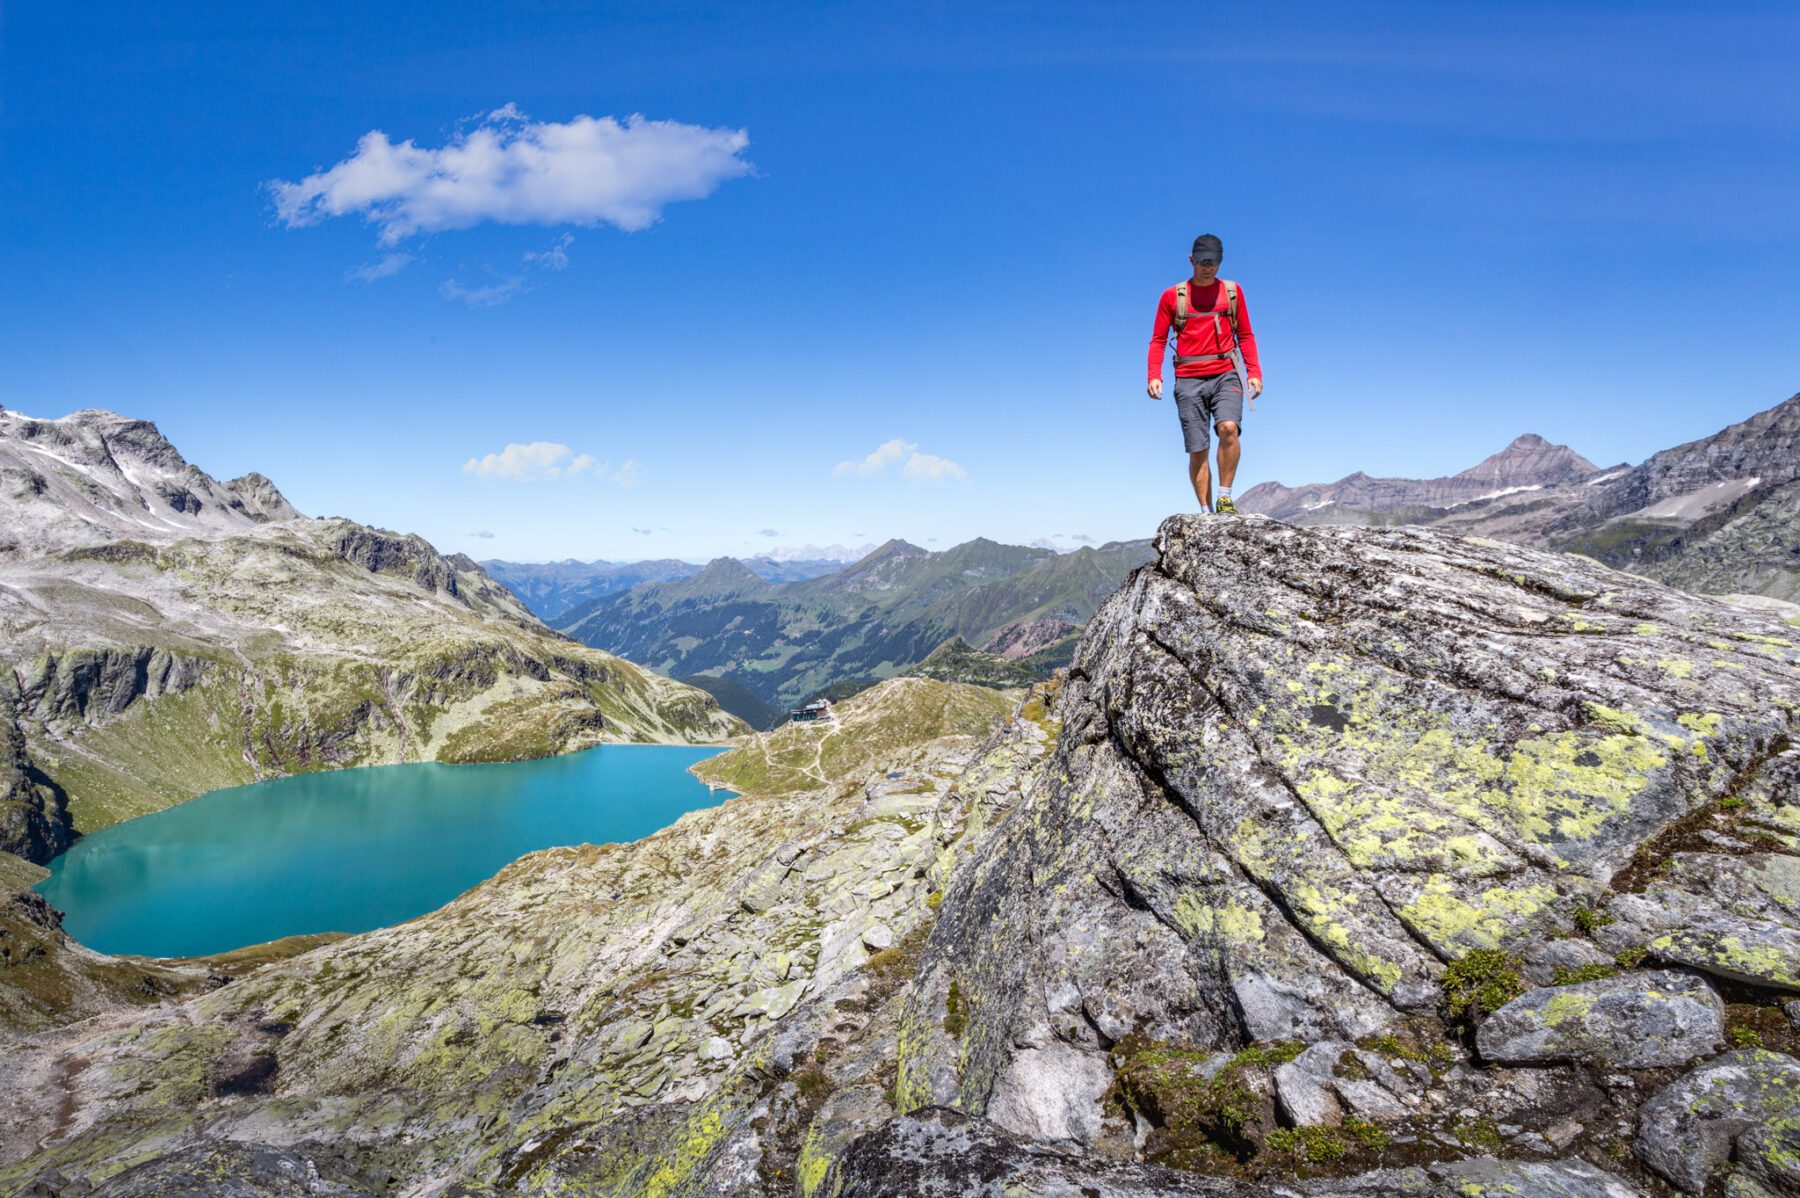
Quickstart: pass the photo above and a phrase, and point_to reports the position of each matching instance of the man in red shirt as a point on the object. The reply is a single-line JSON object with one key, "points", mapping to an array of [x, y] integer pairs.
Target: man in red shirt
{"points": [[1211, 324]]}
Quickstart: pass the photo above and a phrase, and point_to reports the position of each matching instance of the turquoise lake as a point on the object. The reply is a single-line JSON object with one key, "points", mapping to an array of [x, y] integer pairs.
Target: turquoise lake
{"points": [[350, 850]]}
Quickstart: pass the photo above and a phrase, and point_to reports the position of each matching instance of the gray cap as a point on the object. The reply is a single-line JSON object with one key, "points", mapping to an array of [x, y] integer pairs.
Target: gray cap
{"points": [[1208, 246]]}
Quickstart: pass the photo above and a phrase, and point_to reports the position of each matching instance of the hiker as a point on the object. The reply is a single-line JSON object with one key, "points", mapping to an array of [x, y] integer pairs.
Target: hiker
{"points": [[1210, 323]]}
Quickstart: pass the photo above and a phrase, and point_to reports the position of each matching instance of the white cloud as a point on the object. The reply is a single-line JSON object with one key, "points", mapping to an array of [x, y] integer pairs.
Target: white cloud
{"points": [[929, 468], [491, 296], [642, 532], [386, 266], [769, 532], [531, 461], [915, 466], [884, 456], [534, 460], [484, 534], [512, 170]]}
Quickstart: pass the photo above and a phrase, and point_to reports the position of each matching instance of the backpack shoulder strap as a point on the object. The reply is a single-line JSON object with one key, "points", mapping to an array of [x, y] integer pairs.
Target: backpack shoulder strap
{"points": [[1231, 298], [1181, 307]]}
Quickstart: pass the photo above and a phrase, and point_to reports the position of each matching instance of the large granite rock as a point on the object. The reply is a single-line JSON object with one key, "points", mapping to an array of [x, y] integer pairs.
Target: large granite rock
{"points": [[1301, 770], [1738, 1114], [1634, 1021]]}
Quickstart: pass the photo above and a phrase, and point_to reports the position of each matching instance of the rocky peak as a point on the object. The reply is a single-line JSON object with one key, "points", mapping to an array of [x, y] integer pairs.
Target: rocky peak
{"points": [[878, 570], [261, 499], [723, 573], [891, 549], [1529, 460], [95, 476]]}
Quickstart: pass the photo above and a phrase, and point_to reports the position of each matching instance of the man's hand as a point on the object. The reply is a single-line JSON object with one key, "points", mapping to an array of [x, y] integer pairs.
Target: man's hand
{"points": [[1255, 388], [1154, 389]]}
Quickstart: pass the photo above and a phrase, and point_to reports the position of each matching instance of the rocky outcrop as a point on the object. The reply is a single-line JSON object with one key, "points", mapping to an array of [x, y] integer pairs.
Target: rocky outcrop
{"points": [[1311, 784], [1292, 794], [80, 684], [34, 812], [225, 1170], [381, 552]]}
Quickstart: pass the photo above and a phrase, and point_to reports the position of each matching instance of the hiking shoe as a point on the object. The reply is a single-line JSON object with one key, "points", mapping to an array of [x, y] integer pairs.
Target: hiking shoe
{"points": [[1225, 507]]}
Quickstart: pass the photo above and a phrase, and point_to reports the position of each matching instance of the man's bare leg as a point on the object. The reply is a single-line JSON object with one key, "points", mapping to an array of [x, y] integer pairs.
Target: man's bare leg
{"points": [[1201, 475], [1229, 449]]}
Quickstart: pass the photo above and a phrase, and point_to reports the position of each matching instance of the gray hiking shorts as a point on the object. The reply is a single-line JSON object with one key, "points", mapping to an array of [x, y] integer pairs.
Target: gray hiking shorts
{"points": [[1204, 402]]}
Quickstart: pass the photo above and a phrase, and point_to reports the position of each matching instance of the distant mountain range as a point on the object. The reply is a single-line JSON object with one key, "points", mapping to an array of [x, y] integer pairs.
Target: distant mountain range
{"points": [[1720, 514], [163, 633], [784, 642], [553, 589]]}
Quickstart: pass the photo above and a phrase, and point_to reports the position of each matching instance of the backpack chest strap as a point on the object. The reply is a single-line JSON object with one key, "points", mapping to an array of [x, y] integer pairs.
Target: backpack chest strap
{"points": [[1184, 311]]}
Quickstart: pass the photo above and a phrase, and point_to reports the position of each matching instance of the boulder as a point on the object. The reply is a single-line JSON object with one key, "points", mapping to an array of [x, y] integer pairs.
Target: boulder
{"points": [[1741, 1107], [1300, 769], [1633, 1021]]}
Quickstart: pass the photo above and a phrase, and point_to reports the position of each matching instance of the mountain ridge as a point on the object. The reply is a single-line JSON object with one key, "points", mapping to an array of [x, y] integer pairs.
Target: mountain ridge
{"points": [[1712, 513], [1528, 463], [878, 617]]}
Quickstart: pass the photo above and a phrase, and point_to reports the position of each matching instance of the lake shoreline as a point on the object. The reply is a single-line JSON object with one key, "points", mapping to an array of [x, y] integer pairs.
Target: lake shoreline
{"points": [[350, 850]]}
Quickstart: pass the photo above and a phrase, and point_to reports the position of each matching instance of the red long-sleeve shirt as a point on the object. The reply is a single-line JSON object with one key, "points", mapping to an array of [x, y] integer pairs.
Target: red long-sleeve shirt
{"points": [[1203, 335]]}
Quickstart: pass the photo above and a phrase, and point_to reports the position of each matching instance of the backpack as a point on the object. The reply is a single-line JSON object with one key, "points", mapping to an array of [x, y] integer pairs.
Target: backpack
{"points": [[1183, 312]]}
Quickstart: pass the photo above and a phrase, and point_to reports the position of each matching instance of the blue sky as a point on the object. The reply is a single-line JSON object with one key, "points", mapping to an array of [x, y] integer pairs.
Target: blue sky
{"points": [[944, 225]]}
